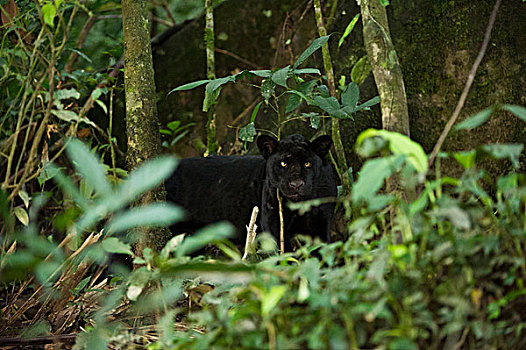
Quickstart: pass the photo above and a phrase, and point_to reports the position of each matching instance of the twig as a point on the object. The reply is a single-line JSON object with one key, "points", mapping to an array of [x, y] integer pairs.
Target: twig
{"points": [[467, 87], [281, 225], [251, 233], [61, 338], [239, 58]]}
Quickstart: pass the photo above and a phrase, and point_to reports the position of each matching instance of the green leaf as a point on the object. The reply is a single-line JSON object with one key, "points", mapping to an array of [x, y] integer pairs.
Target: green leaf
{"points": [[262, 73], [314, 120], [153, 215], [518, 111], [350, 95], [21, 215], [361, 70], [171, 245], [372, 175], [190, 86], [70, 116], [475, 120], [247, 133], [213, 85], [280, 77], [348, 30], [25, 197], [48, 12], [270, 299], [267, 89], [114, 245], [400, 145], [149, 175], [211, 233], [210, 99], [510, 151], [293, 102], [255, 112], [65, 94], [89, 167], [316, 44], [384, 3], [328, 104], [306, 71], [373, 101], [466, 159]]}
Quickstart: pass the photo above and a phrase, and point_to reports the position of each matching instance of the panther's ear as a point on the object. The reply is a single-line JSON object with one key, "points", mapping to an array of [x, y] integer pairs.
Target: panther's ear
{"points": [[322, 145], [267, 145]]}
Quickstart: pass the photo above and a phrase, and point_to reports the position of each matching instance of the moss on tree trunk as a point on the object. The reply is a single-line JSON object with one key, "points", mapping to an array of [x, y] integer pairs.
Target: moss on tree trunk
{"points": [[142, 125]]}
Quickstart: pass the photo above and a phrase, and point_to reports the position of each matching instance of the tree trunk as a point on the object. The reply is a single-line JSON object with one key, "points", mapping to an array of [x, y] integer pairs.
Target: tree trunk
{"points": [[385, 66], [389, 81], [142, 125]]}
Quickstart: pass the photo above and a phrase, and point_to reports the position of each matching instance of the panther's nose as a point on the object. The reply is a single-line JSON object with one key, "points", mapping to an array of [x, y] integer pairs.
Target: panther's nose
{"points": [[296, 184]]}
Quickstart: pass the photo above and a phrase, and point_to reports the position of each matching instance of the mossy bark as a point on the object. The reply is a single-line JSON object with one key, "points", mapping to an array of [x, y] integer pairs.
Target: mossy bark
{"points": [[142, 125], [385, 66]]}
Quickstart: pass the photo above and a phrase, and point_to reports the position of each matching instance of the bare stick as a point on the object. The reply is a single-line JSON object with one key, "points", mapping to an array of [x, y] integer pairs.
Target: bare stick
{"points": [[251, 233], [281, 225], [471, 77]]}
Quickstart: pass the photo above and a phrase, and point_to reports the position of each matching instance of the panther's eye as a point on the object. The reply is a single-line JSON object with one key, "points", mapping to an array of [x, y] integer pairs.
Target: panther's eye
{"points": [[283, 164], [307, 164]]}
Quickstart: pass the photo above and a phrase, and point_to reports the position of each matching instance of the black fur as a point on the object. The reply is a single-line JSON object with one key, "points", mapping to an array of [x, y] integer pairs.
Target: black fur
{"points": [[228, 187]]}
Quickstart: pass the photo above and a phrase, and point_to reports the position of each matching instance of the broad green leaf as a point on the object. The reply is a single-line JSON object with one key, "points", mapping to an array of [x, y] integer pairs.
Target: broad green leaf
{"points": [[70, 116], [48, 12], [21, 215], [466, 159], [150, 174], [361, 70], [350, 95], [157, 215], [270, 299], [501, 151], [314, 120], [316, 44], [518, 111], [190, 86], [247, 133], [216, 83], [475, 120], [89, 167], [293, 102], [280, 77], [348, 30], [328, 104], [384, 2], [211, 233], [400, 145], [372, 175], [114, 245]]}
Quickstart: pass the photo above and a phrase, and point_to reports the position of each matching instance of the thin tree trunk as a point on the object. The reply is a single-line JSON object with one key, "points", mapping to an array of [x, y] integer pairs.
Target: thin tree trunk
{"points": [[211, 142], [389, 81], [335, 123], [385, 66], [142, 125]]}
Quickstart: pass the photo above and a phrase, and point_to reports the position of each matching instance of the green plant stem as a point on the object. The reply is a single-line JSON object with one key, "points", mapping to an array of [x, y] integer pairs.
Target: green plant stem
{"points": [[335, 123], [211, 141]]}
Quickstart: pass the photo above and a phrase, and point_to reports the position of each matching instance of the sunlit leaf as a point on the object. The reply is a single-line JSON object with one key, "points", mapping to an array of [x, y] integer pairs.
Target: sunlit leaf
{"points": [[518, 111], [21, 215], [270, 299], [207, 235], [348, 29]]}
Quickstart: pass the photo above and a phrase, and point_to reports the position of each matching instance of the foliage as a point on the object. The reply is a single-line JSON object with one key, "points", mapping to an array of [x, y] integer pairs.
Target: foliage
{"points": [[297, 89]]}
